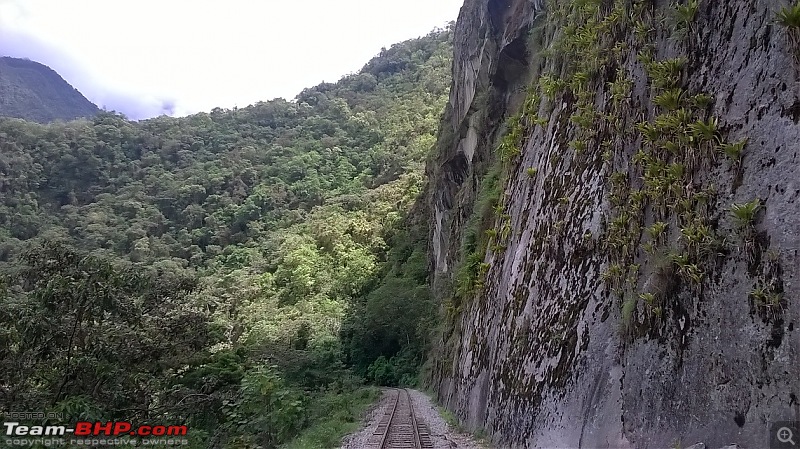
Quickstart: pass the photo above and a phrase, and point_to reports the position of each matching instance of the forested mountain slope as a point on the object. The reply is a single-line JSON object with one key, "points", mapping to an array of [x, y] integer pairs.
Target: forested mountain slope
{"points": [[33, 91], [614, 223], [251, 264]]}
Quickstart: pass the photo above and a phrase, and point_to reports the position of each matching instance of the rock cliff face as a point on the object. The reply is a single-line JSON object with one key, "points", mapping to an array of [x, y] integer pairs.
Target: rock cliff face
{"points": [[615, 212]]}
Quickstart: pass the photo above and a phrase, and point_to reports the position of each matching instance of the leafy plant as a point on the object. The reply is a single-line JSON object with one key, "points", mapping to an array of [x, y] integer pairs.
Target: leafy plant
{"points": [[656, 230], [690, 272], [511, 144], [614, 273], [619, 178], [531, 171], [540, 121], [579, 145], [744, 214], [665, 73], [702, 101], [648, 298], [467, 277], [669, 99], [734, 150], [705, 130], [531, 105], [699, 238], [628, 307], [765, 296], [642, 30], [789, 16], [685, 14], [621, 87], [584, 118], [551, 85]]}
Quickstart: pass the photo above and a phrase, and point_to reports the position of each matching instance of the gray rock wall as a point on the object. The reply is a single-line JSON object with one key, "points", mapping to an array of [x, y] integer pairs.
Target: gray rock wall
{"points": [[542, 354]]}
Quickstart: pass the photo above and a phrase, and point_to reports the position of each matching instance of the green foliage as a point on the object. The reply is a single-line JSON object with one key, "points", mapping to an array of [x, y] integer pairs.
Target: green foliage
{"points": [[66, 319], [467, 278], [531, 171], [551, 86], [267, 412], [334, 415], [487, 200], [789, 16], [690, 272], [735, 150], [621, 87], [705, 131], [248, 260], [628, 307], [684, 14], [744, 214], [665, 74], [656, 230], [699, 238], [670, 99], [702, 101], [765, 296], [531, 106], [511, 144], [584, 117]]}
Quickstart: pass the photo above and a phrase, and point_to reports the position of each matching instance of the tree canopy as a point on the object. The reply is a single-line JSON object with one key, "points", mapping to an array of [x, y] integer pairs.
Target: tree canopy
{"points": [[225, 269]]}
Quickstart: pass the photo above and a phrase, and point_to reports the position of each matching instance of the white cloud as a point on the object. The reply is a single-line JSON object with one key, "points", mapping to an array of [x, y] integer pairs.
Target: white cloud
{"points": [[201, 54]]}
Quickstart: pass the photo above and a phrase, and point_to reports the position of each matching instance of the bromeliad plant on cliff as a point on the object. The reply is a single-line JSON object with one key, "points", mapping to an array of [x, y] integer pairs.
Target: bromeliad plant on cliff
{"points": [[664, 187], [789, 18]]}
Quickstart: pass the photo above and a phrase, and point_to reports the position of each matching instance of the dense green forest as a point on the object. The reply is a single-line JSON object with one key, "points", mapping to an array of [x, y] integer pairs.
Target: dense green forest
{"points": [[242, 271]]}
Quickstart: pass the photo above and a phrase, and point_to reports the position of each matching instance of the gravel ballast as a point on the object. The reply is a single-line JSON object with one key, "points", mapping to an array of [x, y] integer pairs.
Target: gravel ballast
{"points": [[442, 435]]}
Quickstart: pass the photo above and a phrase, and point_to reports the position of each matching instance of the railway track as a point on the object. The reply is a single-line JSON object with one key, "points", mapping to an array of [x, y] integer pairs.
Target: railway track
{"points": [[399, 427]]}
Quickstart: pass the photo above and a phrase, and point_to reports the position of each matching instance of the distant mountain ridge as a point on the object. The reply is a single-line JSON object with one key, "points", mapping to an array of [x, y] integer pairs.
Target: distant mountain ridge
{"points": [[33, 91]]}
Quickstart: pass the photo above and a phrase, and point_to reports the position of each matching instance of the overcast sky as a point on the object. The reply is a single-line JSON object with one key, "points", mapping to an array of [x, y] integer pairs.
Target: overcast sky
{"points": [[148, 57]]}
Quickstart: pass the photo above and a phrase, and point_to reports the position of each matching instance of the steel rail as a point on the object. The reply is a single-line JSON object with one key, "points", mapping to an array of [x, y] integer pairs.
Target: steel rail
{"points": [[389, 424], [402, 428], [417, 442]]}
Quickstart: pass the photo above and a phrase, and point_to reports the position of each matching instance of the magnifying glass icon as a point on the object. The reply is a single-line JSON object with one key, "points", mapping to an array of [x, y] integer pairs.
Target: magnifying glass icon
{"points": [[785, 435]]}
